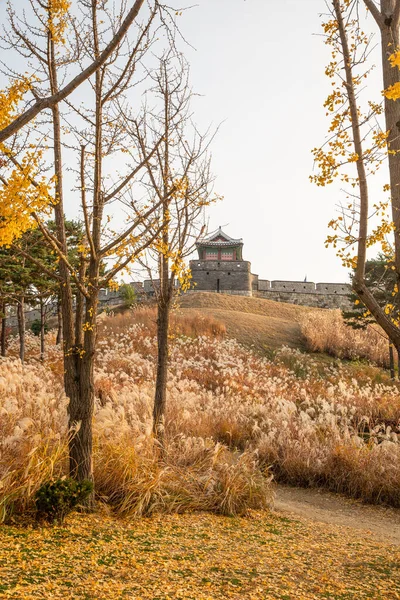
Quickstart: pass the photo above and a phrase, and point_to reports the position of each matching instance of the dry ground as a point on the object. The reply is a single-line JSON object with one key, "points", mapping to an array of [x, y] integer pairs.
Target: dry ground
{"points": [[252, 321], [266, 556], [379, 522]]}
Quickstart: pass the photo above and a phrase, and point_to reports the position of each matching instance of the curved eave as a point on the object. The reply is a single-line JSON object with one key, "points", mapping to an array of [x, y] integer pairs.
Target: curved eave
{"points": [[233, 243]]}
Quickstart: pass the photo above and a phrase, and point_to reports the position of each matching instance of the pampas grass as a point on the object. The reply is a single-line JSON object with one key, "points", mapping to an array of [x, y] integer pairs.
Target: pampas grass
{"points": [[326, 331], [233, 417]]}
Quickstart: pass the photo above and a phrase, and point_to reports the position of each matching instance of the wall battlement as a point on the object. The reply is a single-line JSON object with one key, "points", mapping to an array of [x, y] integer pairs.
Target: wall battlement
{"points": [[305, 293], [220, 268], [304, 287]]}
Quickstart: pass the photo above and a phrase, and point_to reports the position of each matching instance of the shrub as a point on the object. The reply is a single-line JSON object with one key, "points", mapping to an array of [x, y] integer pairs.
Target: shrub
{"points": [[54, 500], [36, 327], [194, 474], [128, 295]]}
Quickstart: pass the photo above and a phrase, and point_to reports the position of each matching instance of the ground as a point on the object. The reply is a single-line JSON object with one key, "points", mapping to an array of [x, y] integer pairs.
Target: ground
{"points": [[267, 555], [311, 545], [252, 321], [378, 522]]}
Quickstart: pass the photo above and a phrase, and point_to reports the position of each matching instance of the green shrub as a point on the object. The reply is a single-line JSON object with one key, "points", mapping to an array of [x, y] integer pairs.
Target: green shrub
{"points": [[54, 500], [128, 295], [36, 327]]}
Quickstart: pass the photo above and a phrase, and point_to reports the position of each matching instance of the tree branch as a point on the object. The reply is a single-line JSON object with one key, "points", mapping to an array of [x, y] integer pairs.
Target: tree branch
{"points": [[51, 101], [38, 263], [375, 12], [124, 235], [119, 268], [396, 16], [132, 174], [55, 245]]}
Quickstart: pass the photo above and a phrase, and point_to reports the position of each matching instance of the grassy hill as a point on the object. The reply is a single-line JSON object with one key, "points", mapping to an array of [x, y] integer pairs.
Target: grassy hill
{"points": [[252, 321]]}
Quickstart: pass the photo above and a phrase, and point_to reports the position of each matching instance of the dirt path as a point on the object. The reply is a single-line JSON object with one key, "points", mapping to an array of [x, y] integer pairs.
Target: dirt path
{"points": [[383, 524]]}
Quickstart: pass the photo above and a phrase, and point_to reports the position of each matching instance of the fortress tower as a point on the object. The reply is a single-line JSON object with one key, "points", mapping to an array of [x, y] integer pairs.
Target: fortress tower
{"points": [[220, 266]]}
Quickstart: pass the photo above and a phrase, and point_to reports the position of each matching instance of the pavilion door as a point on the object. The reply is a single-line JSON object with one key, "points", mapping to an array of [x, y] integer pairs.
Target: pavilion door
{"points": [[218, 288]]}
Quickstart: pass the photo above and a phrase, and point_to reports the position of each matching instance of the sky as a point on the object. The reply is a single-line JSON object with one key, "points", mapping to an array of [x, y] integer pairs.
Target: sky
{"points": [[259, 67]]}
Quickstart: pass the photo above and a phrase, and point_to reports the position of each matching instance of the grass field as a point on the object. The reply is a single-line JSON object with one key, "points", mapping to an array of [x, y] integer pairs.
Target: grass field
{"points": [[252, 321], [233, 417], [195, 557]]}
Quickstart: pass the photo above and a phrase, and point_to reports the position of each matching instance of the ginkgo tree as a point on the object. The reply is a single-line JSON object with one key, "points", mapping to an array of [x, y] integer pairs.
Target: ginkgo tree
{"points": [[180, 182], [363, 137], [117, 224], [11, 120]]}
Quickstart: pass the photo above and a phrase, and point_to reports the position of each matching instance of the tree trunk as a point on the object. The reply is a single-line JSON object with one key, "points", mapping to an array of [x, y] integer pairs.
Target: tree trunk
{"points": [[359, 286], [160, 397], [391, 361], [78, 361], [391, 75], [79, 308], [59, 323], [81, 405], [21, 328], [3, 329], [42, 329], [398, 362]]}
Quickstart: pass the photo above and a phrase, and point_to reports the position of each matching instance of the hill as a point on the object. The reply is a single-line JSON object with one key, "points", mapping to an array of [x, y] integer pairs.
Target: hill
{"points": [[252, 321]]}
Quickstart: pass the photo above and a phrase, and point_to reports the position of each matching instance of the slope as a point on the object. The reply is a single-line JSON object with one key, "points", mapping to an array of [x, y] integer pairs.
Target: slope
{"points": [[252, 321]]}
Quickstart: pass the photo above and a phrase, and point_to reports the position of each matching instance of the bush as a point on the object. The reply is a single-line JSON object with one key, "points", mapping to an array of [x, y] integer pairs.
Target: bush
{"points": [[128, 295], [36, 327], [54, 500], [194, 474]]}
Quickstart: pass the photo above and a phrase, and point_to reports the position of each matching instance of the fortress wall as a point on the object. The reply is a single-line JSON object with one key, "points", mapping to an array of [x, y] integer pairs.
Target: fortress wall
{"points": [[293, 286], [240, 282], [333, 288], [264, 284], [313, 299], [254, 282], [233, 276]]}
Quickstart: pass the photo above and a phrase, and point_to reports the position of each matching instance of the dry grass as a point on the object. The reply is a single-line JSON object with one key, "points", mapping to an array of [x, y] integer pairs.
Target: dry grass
{"points": [[244, 305], [194, 324], [254, 322], [230, 414], [195, 474], [326, 331]]}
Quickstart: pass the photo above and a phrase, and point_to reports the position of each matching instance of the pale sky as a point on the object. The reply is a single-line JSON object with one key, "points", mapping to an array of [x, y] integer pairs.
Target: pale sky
{"points": [[260, 67]]}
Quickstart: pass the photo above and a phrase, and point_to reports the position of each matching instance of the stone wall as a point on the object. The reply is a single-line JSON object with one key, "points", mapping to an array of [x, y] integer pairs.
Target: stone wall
{"points": [[315, 299], [307, 293], [223, 276], [234, 278]]}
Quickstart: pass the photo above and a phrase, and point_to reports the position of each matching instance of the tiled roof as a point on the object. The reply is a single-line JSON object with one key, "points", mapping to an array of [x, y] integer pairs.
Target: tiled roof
{"points": [[211, 240]]}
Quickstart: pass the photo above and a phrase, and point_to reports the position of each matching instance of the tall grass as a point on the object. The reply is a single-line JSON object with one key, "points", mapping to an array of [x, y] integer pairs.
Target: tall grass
{"points": [[233, 417], [326, 331], [189, 323]]}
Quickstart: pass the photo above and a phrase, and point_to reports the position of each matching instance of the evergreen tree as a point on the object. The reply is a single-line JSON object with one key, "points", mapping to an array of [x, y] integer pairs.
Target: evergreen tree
{"points": [[380, 278]]}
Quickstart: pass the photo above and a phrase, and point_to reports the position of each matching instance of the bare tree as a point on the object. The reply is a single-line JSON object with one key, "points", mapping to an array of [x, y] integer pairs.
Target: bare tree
{"points": [[51, 100], [179, 182], [118, 225]]}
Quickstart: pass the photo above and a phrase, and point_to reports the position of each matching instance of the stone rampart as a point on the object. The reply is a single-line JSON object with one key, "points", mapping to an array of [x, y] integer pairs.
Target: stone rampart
{"points": [[222, 276], [306, 293], [314, 299], [237, 280]]}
